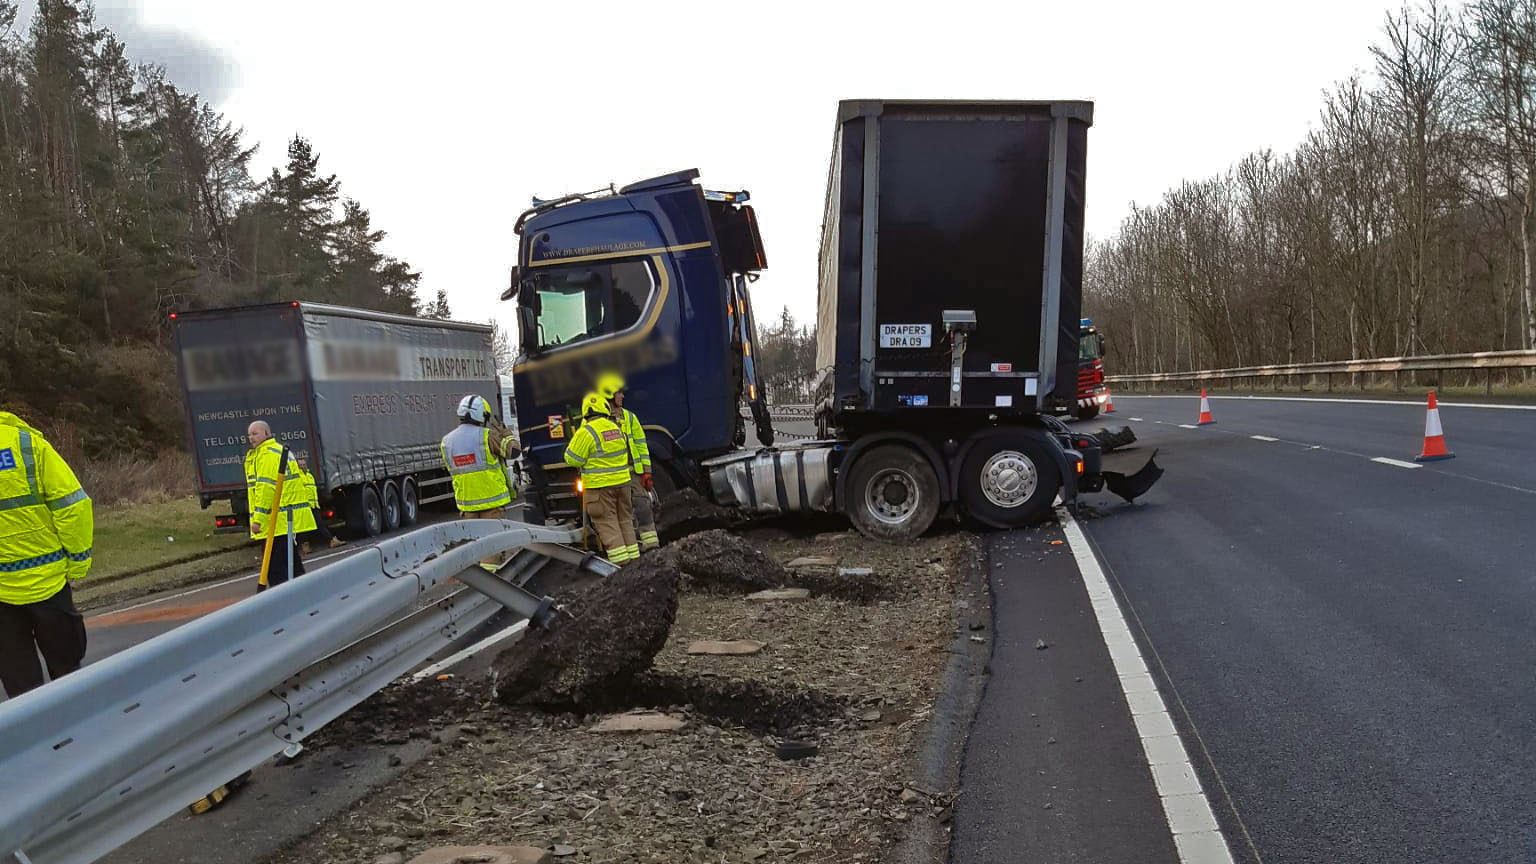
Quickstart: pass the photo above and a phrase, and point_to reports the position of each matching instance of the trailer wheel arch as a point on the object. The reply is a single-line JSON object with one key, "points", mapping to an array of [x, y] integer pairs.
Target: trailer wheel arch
{"points": [[875, 439]]}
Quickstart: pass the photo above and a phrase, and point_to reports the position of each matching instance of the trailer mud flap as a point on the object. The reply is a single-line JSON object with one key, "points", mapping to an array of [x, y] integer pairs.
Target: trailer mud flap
{"points": [[1132, 486]]}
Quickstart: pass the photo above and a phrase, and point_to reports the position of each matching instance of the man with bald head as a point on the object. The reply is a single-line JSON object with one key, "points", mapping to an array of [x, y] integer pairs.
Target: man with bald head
{"points": [[264, 463]]}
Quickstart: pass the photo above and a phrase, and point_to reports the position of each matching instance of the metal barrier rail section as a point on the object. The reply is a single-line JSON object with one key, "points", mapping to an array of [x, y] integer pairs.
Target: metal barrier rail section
{"points": [[1428, 363], [96, 758]]}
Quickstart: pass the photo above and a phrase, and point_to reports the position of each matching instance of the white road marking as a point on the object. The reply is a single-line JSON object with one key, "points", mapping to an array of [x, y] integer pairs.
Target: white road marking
{"points": [[461, 655], [1137, 419], [1415, 402], [1190, 819], [1263, 438], [1396, 462], [1188, 426]]}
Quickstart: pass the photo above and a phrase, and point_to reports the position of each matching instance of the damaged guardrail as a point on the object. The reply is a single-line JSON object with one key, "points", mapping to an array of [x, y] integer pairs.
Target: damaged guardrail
{"points": [[96, 758]]}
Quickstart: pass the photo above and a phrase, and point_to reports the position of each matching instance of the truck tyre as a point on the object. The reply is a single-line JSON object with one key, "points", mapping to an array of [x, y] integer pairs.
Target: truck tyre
{"points": [[410, 503], [1009, 480], [392, 508], [1088, 413], [892, 494], [365, 513]]}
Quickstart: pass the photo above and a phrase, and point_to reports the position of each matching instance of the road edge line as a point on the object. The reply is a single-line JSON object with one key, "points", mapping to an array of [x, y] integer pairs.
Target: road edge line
{"points": [[1191, 820]]}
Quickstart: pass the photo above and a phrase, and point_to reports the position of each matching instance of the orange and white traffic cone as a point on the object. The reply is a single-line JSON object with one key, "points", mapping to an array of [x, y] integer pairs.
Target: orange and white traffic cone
{"points": [[1434, 435], [1205, 410], [1109, 402]]}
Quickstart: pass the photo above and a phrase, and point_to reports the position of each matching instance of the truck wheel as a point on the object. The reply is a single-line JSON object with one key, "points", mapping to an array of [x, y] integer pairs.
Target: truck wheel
{"points": [[893, 494], [1088, 413], [410, 503], [392, 509], [365, 513], [1009, 480]]}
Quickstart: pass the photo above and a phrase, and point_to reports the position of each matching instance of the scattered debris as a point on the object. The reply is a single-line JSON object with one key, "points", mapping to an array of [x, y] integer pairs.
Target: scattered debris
{"points": [[687, 512], [788, 750], [615, 628], [720, 562], [1040, 645], [871, 716], [780, 594], [641, 721], [734, 647], [978, 639], [484, 855], [812, 561]]}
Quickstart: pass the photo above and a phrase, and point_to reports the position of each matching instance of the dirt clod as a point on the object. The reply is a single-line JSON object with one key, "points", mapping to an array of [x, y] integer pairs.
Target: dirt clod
{"points": [[687, 512], [614, 629], [719, 562]]}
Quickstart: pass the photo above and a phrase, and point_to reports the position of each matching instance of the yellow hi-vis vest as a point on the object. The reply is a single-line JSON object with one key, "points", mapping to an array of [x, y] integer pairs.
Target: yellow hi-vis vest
{"points": [[601, 451], [479, 479], [639, 451], [45, 517], [311, 494], [261, 468]]}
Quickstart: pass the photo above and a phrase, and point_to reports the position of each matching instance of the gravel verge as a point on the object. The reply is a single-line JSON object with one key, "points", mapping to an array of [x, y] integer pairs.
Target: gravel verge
{"points": [[849, 674]]}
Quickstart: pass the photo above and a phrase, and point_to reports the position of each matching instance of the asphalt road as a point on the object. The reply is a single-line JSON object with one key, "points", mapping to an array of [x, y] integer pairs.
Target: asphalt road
{"points": [[1346, 645]]}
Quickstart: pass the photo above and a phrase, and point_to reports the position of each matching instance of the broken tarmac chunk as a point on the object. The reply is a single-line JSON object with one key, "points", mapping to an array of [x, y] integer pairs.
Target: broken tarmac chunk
{"points": [[483, 855], [734, 647], [780, 594], [812, 561], [641, 721]]}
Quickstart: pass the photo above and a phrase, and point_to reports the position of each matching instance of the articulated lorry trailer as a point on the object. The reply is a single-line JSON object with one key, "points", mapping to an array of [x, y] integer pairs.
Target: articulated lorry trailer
{"points": [[947, 327], [365, 396]]}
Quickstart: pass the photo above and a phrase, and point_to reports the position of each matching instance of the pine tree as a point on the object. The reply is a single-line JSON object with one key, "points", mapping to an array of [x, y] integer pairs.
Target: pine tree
{"points": [[438, 308]]}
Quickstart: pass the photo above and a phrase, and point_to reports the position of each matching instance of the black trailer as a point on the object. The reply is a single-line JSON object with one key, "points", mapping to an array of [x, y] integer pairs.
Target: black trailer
{"points": [[950, 287], [365, 396]]}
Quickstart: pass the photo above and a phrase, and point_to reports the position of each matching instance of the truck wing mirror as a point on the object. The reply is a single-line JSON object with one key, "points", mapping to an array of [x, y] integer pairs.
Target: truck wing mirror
{"points": [[528, 327], [516, 283]]}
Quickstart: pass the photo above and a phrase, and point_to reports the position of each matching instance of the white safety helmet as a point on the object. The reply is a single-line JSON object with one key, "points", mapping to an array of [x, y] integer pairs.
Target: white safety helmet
{"points": [[474, 409]]}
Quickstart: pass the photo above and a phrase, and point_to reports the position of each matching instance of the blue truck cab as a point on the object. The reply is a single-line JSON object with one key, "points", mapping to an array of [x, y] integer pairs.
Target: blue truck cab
{"points": [[650, 281]]}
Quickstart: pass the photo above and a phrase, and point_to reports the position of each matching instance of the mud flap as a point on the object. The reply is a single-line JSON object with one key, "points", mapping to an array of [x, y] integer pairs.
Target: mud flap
{"points": [[1115, 438], [1132, 486]]}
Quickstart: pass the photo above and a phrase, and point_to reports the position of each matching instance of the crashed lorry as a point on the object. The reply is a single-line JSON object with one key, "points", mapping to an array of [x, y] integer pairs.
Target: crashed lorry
{"points": [[947, 328]]}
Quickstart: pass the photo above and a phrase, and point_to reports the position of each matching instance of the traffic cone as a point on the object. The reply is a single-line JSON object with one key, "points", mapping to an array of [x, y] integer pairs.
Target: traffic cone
{"points": [[1205, 411], [1434, 435], [1109, 402]]}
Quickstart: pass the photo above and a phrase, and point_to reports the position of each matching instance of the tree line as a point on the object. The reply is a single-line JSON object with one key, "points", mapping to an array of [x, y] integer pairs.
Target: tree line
{"points": [[786, 360], [124, 198], [1404, 223]]}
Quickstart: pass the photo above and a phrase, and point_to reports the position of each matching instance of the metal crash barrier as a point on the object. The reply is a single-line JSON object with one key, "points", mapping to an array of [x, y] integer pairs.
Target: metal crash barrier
{"points": [[94, 759]]}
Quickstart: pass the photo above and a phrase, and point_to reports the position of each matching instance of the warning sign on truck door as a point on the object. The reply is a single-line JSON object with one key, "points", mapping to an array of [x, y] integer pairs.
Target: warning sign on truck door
{"points": [[906, 335]]}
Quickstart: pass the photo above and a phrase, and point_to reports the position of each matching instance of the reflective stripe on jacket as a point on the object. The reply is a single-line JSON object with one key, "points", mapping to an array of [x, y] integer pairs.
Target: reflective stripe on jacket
{"points": [[46, 521], [261, 469], [639, 451], [601, 451], [479, 478]]}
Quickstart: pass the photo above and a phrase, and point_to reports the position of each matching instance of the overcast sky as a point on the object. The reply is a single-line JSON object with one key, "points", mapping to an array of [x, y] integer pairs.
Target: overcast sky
{"points": [[443, 118]]}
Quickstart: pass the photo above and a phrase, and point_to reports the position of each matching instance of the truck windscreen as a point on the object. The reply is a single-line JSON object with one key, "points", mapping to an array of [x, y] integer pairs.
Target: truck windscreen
{"points": [[576, 302], [1088, 347]]}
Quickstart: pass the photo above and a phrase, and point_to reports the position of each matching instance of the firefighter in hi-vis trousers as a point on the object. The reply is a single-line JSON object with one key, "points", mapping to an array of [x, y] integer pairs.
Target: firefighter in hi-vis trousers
{"points": [[475, 455], [611, 387], [601, 452]]}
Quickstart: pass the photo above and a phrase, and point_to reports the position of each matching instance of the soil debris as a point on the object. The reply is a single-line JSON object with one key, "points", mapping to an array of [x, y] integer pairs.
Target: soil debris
{"points": [[613, 630], [722, 563], [687, 512]]}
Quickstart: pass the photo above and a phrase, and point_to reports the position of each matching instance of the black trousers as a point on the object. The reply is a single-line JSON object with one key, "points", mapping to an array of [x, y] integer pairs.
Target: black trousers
{"points": [[277, 568], [52, 626]]}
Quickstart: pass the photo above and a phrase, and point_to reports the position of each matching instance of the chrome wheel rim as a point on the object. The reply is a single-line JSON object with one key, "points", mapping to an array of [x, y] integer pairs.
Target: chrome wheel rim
{"points": [[1009, 478], [892, 496]]}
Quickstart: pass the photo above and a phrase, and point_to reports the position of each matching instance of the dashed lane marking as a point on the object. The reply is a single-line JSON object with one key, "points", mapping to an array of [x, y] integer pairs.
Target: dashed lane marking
{"points": [[1195, 833], [1188, 426], [1263, 438], [1137, 419], [1397, 463]]}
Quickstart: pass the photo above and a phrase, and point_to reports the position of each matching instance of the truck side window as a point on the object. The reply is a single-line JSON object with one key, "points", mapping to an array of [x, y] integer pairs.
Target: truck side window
{"points": [[582, 301]]}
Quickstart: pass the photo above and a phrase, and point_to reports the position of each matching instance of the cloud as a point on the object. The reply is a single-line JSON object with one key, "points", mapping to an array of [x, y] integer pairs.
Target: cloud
{"points": [[192, 63]]}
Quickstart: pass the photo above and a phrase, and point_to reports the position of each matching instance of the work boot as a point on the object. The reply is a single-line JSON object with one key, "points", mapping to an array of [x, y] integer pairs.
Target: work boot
{"points": [[304, 548], [337, 541]]}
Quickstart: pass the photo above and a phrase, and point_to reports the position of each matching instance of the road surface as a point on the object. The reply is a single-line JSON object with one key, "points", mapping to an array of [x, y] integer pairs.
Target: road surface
{"points": [[1344, 640]]}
